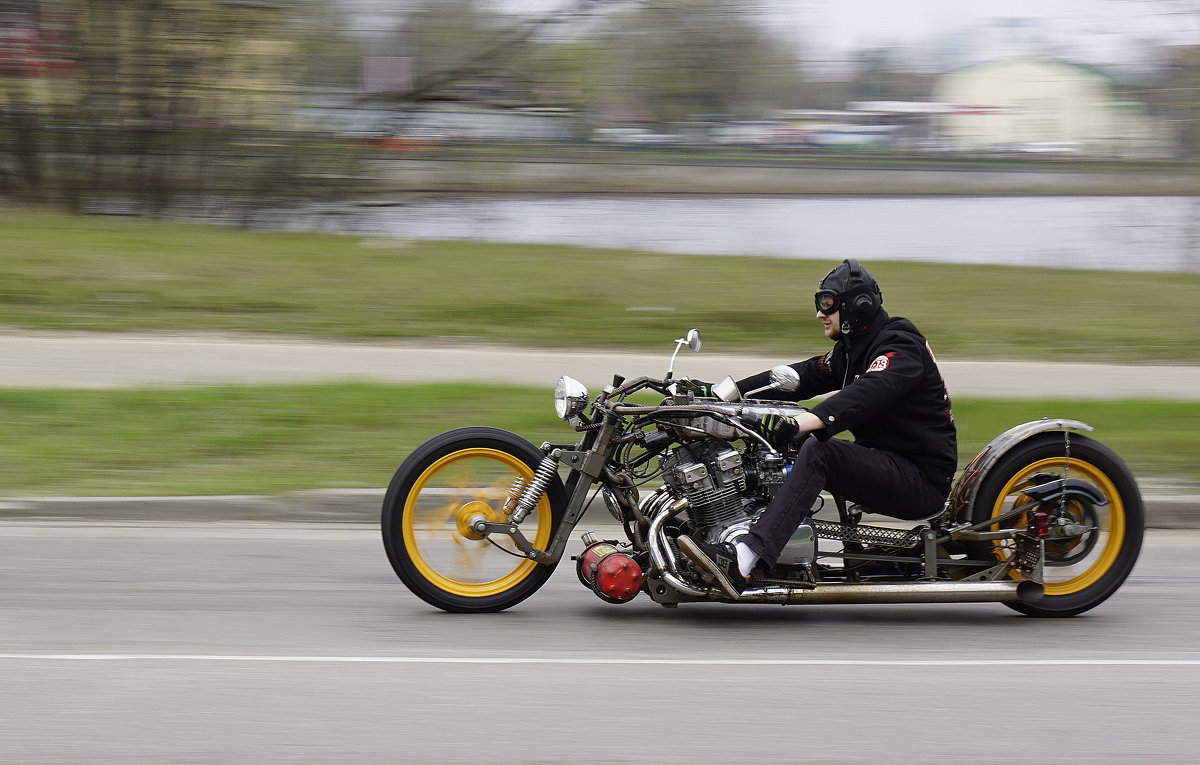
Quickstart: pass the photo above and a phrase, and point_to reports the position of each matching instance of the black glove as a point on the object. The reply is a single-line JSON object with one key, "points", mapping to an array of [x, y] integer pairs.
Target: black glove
{"points": [[697, 388], [779, 430]]}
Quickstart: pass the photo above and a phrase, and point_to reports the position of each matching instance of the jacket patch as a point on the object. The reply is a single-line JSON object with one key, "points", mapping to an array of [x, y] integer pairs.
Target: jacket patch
{"points": [[880, 363]]}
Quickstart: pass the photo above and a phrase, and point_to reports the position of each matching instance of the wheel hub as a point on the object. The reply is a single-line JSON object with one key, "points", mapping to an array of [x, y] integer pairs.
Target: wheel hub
{"points": [[469, 514], [1078, 524]]}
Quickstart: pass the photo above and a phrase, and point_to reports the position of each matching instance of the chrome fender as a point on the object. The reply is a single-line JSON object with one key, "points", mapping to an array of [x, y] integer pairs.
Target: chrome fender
{"points": [[969, 480]]}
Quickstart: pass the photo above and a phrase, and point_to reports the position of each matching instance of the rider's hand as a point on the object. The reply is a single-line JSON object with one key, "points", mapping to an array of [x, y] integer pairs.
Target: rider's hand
{"points": [[780, 430], [697, 388]]}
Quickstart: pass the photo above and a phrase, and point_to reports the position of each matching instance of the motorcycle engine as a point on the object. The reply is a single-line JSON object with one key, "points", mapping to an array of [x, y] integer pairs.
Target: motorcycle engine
{"points": [[713, 478]]}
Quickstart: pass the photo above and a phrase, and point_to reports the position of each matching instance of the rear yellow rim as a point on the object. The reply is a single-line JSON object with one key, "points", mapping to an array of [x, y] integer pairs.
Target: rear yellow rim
{"points": [[1111, 525], [440, 544]]}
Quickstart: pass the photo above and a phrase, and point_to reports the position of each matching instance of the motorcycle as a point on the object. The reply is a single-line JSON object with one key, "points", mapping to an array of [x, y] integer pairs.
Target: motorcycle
{"points": [[1044, 519]]}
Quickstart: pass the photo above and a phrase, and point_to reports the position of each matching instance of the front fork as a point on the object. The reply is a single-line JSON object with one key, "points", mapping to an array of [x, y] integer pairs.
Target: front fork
{"points": [[586, 462]]}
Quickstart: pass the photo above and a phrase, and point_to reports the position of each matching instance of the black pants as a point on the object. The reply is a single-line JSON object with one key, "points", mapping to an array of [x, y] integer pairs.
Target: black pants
{"points": [[882, 480]]}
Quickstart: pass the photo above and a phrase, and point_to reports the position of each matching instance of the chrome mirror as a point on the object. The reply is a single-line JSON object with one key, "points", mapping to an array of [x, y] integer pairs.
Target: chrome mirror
{"points": [[784, 377], [691, 340]]}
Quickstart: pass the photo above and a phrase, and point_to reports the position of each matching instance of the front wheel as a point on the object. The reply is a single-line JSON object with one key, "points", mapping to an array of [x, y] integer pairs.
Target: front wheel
{"points": [[450, 479], [1080, 571]]}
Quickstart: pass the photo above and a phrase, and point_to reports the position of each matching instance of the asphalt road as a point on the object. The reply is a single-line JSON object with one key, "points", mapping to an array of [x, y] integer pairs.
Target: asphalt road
{"points": [[265, 643]]}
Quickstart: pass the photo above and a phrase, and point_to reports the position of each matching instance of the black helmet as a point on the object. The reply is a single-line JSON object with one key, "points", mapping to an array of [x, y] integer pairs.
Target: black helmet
{"points": [[851, 289]]}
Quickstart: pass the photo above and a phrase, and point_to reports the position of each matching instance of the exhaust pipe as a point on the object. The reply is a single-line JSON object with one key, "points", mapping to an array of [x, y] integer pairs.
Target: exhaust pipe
{"points": [[900, 592], [664, 563]]}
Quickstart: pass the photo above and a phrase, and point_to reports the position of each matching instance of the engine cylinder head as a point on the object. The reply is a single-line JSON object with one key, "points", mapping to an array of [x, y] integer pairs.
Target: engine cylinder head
{"points": [[712, 479]]}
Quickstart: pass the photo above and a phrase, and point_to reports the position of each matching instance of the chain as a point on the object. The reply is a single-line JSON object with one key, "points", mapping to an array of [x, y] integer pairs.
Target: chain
{"points": [[1062, 500]]}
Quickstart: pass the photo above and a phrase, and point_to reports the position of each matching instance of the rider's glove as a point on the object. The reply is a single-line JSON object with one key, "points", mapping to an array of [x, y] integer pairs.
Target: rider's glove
{"points": [[697, 388], [781, 431]]}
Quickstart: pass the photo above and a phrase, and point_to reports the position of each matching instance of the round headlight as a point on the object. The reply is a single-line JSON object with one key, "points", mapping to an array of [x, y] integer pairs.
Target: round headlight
{"points": [[570, 397]]}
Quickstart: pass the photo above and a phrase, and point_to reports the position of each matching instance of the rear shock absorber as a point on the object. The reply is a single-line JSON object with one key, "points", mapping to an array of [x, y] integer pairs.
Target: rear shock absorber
{"points": [[533, 491]]}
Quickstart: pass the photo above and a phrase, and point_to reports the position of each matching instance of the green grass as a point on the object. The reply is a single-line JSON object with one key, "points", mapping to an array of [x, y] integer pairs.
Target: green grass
{"points": [[238, 439], [61, 272], [274, 439]]}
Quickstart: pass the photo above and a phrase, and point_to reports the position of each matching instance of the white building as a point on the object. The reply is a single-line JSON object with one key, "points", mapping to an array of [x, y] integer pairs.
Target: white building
{"points": [[1041, 104]]}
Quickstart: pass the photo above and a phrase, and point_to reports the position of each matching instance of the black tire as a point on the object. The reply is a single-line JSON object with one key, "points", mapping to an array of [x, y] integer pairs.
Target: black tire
{"points": [[446, 480], [1081, 574]]}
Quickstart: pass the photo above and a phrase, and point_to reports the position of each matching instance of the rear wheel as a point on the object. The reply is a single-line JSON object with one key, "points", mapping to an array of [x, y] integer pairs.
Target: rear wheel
{"points": [[449, 480], [1082, 570]]}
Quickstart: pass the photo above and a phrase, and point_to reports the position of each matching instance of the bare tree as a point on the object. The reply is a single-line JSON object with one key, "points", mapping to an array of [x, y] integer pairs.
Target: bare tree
{"points": [[457, 44], [680, 58], [148, 98]]}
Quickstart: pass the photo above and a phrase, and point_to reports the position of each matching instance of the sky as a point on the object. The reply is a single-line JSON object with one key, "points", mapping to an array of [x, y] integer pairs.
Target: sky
{"points": [[856, 23], [1096, 28], [1098, 31], [1103, 32]]}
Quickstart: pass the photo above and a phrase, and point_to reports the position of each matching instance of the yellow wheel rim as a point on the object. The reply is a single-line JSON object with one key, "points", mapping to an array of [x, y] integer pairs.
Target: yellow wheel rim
{"points": [[1111, 524], [438, 508]]}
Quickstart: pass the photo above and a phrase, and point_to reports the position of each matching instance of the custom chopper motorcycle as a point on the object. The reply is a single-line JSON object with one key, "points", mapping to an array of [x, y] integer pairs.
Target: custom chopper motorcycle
{"points": [[1044, 519]]}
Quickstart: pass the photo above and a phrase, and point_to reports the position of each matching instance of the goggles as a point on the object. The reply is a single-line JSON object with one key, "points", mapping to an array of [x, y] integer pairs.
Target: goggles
{"points": [[827, 301]]}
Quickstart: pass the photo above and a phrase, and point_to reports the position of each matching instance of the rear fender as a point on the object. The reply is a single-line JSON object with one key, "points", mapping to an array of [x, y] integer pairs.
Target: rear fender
{"points": [[969, 480]]}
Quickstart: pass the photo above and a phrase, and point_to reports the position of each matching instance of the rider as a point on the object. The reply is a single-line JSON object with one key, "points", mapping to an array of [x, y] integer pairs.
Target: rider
{"points": [[890, 395]]}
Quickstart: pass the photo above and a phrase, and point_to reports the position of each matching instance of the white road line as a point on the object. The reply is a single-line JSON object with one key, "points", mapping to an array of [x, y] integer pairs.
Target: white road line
{"points": [[608, 661]]}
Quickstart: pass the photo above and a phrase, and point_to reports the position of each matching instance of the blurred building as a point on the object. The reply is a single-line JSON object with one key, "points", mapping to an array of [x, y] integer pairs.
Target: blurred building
{"points": [[1042, 105], [181, 62], [38, 62]]}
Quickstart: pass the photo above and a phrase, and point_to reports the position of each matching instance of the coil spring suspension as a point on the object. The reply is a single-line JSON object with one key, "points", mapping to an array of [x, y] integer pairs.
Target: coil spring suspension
{"points": [[533, 491], [514, 493]]}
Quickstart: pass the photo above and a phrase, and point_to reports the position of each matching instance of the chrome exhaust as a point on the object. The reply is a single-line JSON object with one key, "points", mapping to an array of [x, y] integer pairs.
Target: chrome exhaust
{"points": [[661, 558], [665, 564], [899, 592]]}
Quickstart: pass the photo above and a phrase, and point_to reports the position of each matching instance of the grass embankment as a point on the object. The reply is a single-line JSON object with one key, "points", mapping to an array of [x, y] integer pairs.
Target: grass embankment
{"points": [[75, 273], [274, 439], [71, 273]]}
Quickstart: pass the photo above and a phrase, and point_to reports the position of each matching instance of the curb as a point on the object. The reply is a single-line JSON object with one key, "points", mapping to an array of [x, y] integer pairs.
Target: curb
{"points": [[1167, 507], [318, 506]]}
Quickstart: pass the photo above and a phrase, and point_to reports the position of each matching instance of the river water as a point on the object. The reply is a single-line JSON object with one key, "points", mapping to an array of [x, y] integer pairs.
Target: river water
{"points": [[1110, 233]]}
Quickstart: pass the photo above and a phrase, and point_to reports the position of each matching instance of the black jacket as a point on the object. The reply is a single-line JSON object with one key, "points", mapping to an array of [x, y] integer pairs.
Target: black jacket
{"points": [[890, 395]]}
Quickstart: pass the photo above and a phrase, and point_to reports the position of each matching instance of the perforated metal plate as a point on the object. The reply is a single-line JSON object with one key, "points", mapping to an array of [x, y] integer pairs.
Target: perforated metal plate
{"points": [[868, 535], [1027, 553]]}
